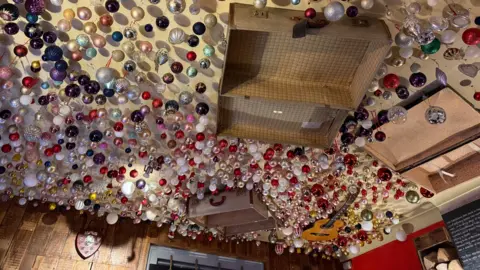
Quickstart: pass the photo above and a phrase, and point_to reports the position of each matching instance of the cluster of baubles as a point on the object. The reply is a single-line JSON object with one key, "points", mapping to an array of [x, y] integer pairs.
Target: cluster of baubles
{"points": [[99, 142]]}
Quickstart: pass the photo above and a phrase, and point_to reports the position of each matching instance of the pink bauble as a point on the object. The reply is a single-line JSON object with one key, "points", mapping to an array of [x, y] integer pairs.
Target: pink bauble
{"points": [[99, 41], [6, 73], [145, 46], [190, 118]]}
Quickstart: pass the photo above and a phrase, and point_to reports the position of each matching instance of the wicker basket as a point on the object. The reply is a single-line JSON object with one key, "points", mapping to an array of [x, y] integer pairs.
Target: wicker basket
{"points": [[297, 91]]}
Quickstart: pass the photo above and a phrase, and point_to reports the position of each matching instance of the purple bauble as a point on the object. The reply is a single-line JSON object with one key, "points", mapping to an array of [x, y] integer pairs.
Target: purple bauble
{"points": [[352, 11], [361, 114], [11, 28], [99, 158], [93, 87], [382, 117], [137, 116], [418, 79], [36, 43], [112, 6], [73, 90], [140, 184], [57, 75], [202, 108], [49, 37], [402, 92], [36, 7], [347, 138]]}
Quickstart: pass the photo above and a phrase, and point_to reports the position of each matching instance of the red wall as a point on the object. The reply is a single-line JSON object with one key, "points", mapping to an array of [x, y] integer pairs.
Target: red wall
{"points": [[395, 255]]}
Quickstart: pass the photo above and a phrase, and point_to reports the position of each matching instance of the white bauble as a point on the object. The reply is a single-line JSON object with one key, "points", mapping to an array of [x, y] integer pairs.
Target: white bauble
{"points": [[448, 36], [26, 100], [287, 231], [30, 180], [367, 226], [298, 242], [401, 236], [57, 3], [367, 4], [151, 214], [472, 52], [259, 3], [406, 52], [22, 201], [112, 218], [128, 188], [79, 205], [354, 249]]}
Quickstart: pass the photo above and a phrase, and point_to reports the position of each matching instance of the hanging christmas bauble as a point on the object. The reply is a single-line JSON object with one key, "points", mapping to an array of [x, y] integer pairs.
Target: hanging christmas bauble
{"points": [[334, 11], [476, 96], [204, 63], [202, 108], [412, 196], [176, 6], [426, 36], [36, 7], [20, 50], [36, 43], [259, 4], [432, 47], [414, 8], [406, 52], [438, 23], [130, 33], [73, 90], [49, 37], [33, 30], [435, 115], [57, 75], [9, 12], [106, 20], [310, 13], [168, 78], [366, 4], [208, 50], [162, 22], [191, 71], [366, 215], [210, 20], [31, 18], [185, 98], [200, 88], [117, 36], [129, 66], [84, 13], [472, 52], [191, 56], [11, 28], [193, 41], [112, 6], [137, 13], [352, 11], [402, 92], [418, 79], [176, 67], [380, 136], [176, 36], [199, 28], [384, 174], [397, 115], [391, 81], [104, 75], [471, 36], [402, 40]]}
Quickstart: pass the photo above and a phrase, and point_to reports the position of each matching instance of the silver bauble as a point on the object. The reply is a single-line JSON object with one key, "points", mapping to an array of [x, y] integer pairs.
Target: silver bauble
{"points": [[104, 75], [438, 23], [382, 70], [210, 20], [32, 133], [402, 40], [425, 37], [367, 4], [176, 36], [185, 98], [121, 85], [414, 8], [435, 115], [176, 6], [397, 115], [259, 4], [334, 11], [204, 63]]}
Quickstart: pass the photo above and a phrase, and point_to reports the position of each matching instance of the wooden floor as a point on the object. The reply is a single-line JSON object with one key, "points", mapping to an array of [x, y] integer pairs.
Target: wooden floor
{"points": [[35, 238]]}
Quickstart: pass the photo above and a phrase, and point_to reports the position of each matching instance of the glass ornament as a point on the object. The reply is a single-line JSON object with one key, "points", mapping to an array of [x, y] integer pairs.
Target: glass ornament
{"points": [[438, 23], [418, 79], [426, 36], [435, 115], [397, 115], [185, 98], [334, 11], [402, 40], [130, 33], [208, 50], [176, 36]]}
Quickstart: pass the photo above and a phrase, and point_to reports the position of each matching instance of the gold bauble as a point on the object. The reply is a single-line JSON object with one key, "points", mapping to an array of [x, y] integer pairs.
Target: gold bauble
{"points": [[93, 196], [17, 157], [69, 14], [53, 190], [90, 28], [423, 56], [36, 64], [366, 215], [39, 162], [137, 13], [412, 196], [398, 62], [118, 55], [72, 46], [52, 206]]}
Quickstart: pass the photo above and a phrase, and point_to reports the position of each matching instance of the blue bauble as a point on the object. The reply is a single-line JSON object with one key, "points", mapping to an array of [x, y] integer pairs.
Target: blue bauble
{"points": [[45, 85], [295, 2], [53, 53], [61, 65], [117, 36], [57, 83], [199, 28], [148, 28], [108, 92], [31, 18]]}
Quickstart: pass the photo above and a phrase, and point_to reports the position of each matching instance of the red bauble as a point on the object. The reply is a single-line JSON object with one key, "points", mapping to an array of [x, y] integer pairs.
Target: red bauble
{"points": [[122, 170], [146, 95], [133, 173], [157, 103], [87, 179], [103, 170], [471, 36], [310, 13], [200, 137], [476, 96], [380, 136], [162, 182], [317, 190], [191, 56], [179, 134], [20, 50], [350, 159], [384, 174], [14, 136], [391, 81], [29, 82], [118, 126], [6, 148]]}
